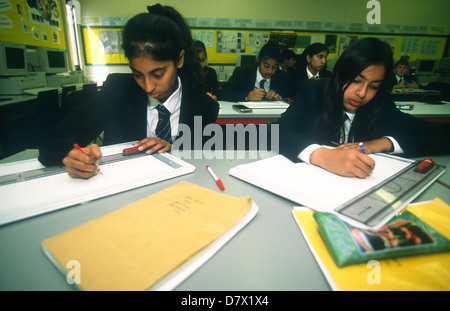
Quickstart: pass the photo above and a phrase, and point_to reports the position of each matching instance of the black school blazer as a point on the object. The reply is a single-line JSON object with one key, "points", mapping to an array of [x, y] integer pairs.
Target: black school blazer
{"points": [[417, 137], [120, 111], [243, 81]]}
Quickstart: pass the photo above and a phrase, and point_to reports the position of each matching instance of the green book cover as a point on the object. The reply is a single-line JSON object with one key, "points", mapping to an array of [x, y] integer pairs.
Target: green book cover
{"points": [[403, 235]]}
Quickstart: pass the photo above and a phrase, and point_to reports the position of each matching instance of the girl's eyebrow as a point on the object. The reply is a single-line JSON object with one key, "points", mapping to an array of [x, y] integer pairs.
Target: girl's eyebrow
{"points": [[362, 76]]}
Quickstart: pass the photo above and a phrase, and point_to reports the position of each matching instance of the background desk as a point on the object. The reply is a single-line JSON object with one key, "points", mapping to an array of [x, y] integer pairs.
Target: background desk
{"points": [[431, 112], [268, 254], [229, 116], [423, 110]]}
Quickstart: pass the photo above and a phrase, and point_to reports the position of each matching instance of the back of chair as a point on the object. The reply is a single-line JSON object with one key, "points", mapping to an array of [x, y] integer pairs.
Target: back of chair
{"points": [[47, 106], [47, 114], [65, 91], [79, 97], [90, 88]]}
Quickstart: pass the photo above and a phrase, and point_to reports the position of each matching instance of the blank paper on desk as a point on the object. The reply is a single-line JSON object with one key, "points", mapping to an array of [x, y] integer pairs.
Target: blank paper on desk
{"points": [[44, 194], [313, 186], [138, 245]]}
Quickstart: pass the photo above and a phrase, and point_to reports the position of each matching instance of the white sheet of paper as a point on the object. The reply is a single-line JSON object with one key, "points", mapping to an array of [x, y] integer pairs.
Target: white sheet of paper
{"points": [[40, 195]]}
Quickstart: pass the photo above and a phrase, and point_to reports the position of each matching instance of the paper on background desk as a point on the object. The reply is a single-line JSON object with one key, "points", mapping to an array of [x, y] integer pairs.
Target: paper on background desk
{"points": [[154, 243], [33, 197], [265, 104]]}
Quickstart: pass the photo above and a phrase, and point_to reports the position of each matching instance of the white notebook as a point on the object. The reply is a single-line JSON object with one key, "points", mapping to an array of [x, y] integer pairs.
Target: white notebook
{"points": [[314, 187]]}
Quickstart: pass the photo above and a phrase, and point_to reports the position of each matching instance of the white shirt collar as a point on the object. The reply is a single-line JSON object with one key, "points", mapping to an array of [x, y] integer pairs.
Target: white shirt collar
{"points": [[259, 77], [172, 103], [398, 77], [310, 75], [350, 116]]}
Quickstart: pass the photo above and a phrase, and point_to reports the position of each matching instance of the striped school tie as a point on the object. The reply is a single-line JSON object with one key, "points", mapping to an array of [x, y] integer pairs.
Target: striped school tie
{"points": [[163, 129], [261, 84]]}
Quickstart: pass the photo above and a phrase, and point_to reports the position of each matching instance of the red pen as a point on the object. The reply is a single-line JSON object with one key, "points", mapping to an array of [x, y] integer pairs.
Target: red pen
{"points": [[84, 152], [217, 179]]}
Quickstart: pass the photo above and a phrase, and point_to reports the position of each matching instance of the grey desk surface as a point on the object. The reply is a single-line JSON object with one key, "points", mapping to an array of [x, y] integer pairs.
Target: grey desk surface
{"points": [[270, 253]]}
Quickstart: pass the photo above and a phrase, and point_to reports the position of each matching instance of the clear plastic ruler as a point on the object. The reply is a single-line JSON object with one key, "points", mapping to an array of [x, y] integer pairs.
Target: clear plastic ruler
{"points": [[389, 197], [53, 170]]}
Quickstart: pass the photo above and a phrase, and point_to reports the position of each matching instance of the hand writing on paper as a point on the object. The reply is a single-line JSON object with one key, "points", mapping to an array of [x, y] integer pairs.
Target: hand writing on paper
{"points": [[345, 162], [83, 164]]}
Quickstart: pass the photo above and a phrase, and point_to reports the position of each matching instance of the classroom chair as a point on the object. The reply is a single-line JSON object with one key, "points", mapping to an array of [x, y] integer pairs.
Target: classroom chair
{"points": [[47, 114]]}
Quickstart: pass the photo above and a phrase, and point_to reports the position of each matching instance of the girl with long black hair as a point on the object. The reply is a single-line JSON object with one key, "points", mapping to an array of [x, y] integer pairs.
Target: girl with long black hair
{"points": [[162, 86], [329, 118]]}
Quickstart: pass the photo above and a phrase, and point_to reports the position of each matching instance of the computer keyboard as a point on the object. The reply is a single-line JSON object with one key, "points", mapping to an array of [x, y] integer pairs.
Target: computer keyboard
{"points": [[35, 91]]}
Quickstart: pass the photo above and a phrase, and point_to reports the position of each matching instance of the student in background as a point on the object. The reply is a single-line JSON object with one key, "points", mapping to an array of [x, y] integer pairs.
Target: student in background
{"points": [[129, 107], [261, 81], [208, 74], [312, 63], [288, 60], [400, 78], [355, 106]]}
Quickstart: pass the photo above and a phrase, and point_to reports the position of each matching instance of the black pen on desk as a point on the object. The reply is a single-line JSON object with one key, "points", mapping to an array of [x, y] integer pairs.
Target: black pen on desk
{"points": [[84, 152], [361, 145]]}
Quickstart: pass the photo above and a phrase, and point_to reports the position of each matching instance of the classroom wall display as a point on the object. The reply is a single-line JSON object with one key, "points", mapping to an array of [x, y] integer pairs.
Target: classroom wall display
{"points": [[226, 38], [103, 46], [32, 22]]}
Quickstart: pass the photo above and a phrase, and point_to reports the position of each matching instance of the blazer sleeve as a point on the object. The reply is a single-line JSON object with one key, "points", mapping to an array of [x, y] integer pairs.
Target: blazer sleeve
{"points": [[297, 123], [116, 110]]}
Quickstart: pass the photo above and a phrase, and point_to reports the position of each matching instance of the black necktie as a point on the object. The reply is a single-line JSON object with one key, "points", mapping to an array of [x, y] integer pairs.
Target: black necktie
{"points": [[163, 129], [261, 84]]}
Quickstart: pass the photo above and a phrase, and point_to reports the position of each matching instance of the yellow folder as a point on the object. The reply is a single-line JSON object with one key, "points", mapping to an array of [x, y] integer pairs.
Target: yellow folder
{"points": [[138, 245], [414, 273]]}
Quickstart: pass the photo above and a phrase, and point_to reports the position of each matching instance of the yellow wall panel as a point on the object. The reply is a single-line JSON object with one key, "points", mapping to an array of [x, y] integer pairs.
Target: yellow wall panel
{"points": [[32, 22]]}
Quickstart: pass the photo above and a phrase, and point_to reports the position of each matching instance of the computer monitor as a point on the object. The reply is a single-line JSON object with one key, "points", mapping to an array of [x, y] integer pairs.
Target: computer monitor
{"points": [[52, 60], [13, 59], [245, 58], [426, 67]]}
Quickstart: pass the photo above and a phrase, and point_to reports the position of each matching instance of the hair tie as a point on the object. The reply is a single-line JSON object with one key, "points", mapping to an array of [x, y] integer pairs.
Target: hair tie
{"points": [[155, 9]]}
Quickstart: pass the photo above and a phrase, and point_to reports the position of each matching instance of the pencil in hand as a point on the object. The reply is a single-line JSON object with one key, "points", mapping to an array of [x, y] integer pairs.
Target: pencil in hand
{"points": [[84, 152]]}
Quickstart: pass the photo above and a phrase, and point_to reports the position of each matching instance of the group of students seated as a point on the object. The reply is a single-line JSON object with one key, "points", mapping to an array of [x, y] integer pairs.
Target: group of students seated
{"points": [[274, 76], [325, 121]]}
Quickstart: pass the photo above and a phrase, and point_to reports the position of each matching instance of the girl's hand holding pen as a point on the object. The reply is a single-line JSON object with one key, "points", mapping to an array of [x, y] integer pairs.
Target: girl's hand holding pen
{"points": [[348, 162], [83, 162]]}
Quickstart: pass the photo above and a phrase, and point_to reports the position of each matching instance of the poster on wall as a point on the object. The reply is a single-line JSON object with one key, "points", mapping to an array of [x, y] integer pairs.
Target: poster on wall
{"points": [[45, 17], [32, 22], [103, 46], [230, 42]]}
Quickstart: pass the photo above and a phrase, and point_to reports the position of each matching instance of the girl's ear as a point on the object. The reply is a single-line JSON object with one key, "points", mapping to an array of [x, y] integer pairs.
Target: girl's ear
{"points": [[308, 58], [180, 60]]}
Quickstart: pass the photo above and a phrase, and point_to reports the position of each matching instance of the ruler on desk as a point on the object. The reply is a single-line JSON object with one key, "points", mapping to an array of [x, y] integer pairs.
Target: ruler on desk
{"points": [[53, 170], [390, 197]]}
